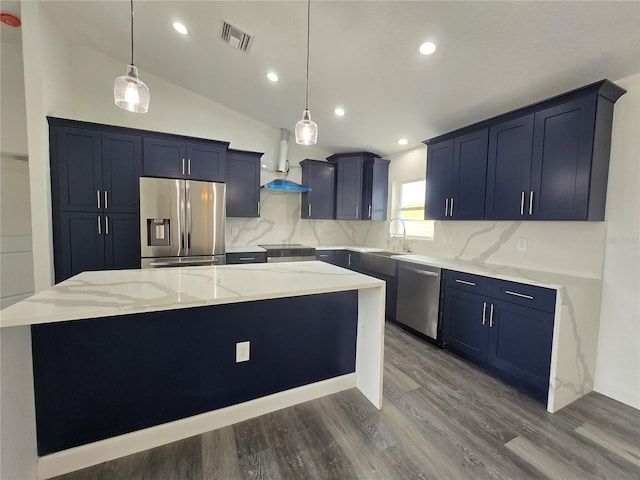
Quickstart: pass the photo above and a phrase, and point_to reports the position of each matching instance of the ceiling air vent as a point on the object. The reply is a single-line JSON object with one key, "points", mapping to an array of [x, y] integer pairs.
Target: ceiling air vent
{"points": [[236, 37]]}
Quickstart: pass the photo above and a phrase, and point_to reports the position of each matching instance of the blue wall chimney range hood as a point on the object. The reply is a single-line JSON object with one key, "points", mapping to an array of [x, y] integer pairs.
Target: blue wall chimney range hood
{"points": [[284, 185]]}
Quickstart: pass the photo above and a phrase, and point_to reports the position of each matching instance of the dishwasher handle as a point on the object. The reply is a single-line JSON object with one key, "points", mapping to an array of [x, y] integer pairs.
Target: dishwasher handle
{"points": [[422, 272]]}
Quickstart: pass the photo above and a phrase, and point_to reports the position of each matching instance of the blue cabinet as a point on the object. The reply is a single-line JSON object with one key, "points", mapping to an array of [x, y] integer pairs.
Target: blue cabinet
{"points": [[375, 187], [546, 161], [456, 176], [509, 167], [246, 257], [175, 158], [243, 183], [507, 328], [348, 185], [320, 202], [95, 197]]}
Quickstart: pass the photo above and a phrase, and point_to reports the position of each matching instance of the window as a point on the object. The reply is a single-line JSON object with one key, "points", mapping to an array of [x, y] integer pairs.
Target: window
{"points": [[408, 206]]}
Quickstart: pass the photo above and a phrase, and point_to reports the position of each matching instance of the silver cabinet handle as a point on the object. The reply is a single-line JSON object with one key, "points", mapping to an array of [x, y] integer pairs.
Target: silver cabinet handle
{"points": [[258, 208], [357, 211], [464, 282], [106, 225], [189, 167], [484, 313], [309, 210], [349, 259], [516, 294], [369, 211], [446, 207], [247, 259], [99, 226], [522, 203], [451, 210], [491, 316], [531, 202], [98, 197], [183, 166], [323, 255], [106, 200], [422, 272]]}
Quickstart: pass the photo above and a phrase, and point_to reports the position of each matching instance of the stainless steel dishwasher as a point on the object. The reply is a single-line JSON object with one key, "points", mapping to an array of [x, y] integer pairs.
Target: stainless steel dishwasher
{"points": [[419, 299]]}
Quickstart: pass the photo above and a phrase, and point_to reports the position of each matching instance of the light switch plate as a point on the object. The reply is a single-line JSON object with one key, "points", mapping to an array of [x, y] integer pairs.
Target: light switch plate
{"points": [[242, 352], [448, 239], [522, 244]]}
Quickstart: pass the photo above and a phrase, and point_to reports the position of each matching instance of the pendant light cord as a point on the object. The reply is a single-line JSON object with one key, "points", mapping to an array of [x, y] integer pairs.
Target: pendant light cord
{"points": [[308, 28], [131, 32]]}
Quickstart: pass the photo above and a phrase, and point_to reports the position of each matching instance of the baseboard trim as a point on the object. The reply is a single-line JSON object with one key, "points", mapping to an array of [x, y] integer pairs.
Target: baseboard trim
{"points": [[84, 456]]}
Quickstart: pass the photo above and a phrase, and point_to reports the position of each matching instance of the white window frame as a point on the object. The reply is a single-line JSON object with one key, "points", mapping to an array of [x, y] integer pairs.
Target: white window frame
{"points": [[395, 227]]}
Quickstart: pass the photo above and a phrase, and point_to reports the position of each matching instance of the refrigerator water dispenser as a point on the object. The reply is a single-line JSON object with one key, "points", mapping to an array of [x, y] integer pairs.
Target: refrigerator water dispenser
{"points": [[158, 234]]}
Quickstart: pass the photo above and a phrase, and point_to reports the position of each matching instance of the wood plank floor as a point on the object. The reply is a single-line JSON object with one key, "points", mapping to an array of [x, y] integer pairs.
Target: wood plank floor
{"points": [[442, 419]]}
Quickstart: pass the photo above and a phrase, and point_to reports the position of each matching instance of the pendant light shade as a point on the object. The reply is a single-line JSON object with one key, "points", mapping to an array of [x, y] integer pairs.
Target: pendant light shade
{"points": [[306, 129], [129, 92]]}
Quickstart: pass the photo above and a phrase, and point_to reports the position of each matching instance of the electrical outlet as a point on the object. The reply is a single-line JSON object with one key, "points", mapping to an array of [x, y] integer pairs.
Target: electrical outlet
{"points": [[242, 352], [448, 239], [522, 244]]}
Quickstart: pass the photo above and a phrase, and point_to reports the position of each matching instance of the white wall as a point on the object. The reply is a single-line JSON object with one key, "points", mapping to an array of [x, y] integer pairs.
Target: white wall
{"points": [[618, 366], [50, 61], [13, 122]]}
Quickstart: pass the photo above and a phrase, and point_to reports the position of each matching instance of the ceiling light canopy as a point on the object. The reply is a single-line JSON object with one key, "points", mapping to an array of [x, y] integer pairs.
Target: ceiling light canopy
{"points": [[180, 28], [307, 129], [273, 76], [427, 48], [339, 111], [129, 92]]}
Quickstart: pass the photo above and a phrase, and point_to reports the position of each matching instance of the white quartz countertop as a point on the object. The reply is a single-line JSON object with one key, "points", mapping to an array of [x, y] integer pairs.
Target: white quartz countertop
{"points": [[123, 292], [245, 249]]}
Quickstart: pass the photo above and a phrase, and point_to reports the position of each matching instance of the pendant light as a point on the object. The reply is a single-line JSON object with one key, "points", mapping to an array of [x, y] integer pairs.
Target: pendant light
{"points": [[307, 129], [129, 92]]}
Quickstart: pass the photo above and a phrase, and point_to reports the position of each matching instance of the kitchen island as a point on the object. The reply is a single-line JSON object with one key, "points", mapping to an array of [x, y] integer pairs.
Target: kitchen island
{"points": [[159, 355]]}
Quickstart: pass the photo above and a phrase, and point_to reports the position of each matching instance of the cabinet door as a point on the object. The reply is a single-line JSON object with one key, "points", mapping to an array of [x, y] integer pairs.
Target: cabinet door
{"points": [[349, 187], [520, 341], [121, 170], [206, 162], [465, 323], [319, 203], [78, 244], [509, 169], [561, 166], [469, 176], [122, 240], [375, 187], [76, 169], [439, 179], [164, 158], [243, 184]]}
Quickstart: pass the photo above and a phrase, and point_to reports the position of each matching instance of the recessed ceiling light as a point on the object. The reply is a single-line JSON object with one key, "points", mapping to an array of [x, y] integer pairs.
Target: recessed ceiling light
{"points": [[339, 112], [180, 28], [273, 76], [403, 141], [427, 48]]}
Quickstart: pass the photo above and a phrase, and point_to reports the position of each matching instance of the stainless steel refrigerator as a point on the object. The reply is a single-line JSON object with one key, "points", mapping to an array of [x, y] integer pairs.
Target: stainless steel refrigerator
{"points": [[182, 222]]}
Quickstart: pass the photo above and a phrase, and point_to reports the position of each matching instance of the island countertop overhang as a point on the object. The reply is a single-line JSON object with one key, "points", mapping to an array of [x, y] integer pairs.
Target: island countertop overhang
{"points": [[122, 292]]}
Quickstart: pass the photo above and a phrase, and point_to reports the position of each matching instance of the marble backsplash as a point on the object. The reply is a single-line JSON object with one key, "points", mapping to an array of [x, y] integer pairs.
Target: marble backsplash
{"points": [[574, 248]]}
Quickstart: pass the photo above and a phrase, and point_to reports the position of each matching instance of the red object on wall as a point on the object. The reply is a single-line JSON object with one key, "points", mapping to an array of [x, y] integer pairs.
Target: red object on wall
{"points": [[10, 19]]}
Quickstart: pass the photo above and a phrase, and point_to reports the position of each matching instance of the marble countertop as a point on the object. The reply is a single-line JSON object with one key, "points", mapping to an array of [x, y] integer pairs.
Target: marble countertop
{"points": [[245, 249], [123, 292]]}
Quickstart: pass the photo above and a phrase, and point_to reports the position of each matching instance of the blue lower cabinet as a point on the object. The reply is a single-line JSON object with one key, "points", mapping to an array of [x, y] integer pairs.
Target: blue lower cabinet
{"points": [[328, 256], [510, 338], [464, 323], [246, 257]]}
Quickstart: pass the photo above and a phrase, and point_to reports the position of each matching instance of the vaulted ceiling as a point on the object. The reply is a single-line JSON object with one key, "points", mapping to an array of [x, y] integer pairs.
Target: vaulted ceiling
{"points": [[491, 57]]}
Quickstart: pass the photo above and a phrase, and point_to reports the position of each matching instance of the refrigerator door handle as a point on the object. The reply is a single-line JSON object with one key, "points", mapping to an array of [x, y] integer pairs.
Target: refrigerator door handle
{"points": [[187, 223]]}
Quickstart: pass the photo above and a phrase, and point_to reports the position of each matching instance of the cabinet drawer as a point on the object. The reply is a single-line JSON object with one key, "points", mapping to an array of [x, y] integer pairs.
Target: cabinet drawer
{"points": [[521, 294], [247, 257], [468, 282], [325, 255]]}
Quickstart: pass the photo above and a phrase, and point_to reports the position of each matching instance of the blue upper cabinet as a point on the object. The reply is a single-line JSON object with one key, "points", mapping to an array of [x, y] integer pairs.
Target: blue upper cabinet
{"points": [[547, 161], [348, 185], [509, 167], [121, 169], [175, 158], [375, 188], [361, 186], [561, 167], [243, 183], [320, 202], [455, 179]]}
